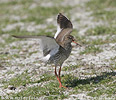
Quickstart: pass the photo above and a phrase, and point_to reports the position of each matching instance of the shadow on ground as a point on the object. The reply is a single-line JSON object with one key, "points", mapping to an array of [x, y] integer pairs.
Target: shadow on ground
{"points": [[94, 80]]}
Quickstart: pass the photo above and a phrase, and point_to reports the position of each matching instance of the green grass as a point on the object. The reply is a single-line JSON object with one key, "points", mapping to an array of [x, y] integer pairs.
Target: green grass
{"points": [[99, 85], [38, 15], [106, 86], [102, 30], [48, 91], [46, 77], [91, 50], [102, 83], [10, 72], [7, 56], [100, 41], [19, 80], [89, 84], [25, 78], [99, 10], [71, 67]]}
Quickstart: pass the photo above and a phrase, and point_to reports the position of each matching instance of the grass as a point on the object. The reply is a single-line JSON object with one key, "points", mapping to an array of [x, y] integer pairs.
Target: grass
{"points": [[46, 77], [102, 30], [106, 86], [19, 80], [99, 10], [71, 67], [48, 91], [71, 81], [38, 15], [97, 86], [25, 78], [91, 50]]}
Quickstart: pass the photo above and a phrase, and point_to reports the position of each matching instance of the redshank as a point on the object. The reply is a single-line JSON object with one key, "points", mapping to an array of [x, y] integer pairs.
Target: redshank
{"points": [[58, 48]]}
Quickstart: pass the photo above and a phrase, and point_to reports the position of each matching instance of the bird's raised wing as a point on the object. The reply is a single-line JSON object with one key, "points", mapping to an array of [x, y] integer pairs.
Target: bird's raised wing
{"points": [[64, 27], [62, 23], [47, 43]]}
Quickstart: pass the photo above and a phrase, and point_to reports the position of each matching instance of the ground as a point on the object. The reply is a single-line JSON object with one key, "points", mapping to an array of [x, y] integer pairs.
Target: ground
{"points": [[89, 72]]}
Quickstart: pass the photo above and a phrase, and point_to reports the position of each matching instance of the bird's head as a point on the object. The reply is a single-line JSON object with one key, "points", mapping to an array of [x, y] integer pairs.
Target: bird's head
{"points": [[69, 39]]}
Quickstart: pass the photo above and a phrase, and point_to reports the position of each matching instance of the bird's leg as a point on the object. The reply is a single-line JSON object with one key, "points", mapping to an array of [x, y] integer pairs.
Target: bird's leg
{"points": [[57, 77], [59, 73], [60, 84]]}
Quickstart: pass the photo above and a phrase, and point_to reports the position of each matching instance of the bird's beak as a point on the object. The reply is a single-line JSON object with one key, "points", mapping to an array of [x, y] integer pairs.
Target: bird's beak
{"points": [[76, 43]]}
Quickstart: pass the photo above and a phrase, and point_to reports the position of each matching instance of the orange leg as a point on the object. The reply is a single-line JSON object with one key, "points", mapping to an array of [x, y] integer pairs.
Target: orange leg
{"points": [[59, 73], [58, 78]]}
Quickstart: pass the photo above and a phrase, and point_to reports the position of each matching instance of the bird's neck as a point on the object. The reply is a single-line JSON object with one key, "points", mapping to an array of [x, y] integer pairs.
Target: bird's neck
{"points": [[68, 46]]}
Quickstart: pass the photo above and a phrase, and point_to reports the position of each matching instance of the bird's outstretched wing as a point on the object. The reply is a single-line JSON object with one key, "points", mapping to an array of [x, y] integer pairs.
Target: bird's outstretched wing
{"points": [[47, 43], [64, 27]]}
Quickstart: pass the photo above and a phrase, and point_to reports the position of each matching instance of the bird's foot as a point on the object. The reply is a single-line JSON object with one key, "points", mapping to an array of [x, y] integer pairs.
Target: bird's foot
{"points": [[62, 86]]}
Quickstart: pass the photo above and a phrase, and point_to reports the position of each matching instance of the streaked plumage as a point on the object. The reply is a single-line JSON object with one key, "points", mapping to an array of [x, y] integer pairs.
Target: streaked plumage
{"points": [[56, 50]]}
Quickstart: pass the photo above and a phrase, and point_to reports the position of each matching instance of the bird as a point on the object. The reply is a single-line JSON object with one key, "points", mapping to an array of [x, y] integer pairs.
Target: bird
{"points": [[58, 48]]}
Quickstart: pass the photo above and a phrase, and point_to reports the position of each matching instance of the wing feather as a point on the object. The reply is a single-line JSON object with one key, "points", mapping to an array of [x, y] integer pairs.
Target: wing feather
{"points": [[62, 23], [47, 43], [64, 27]]}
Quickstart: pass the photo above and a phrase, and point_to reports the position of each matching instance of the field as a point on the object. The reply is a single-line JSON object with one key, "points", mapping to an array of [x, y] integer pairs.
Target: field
{"points": [[89, 72]]}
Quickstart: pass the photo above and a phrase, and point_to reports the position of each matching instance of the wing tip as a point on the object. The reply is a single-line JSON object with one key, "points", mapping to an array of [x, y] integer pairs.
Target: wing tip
{"points": [[63, 21], [14, 36], [60, 13]]}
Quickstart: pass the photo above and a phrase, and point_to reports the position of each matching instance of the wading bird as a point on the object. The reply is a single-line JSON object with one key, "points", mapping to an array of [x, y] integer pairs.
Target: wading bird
{"points": [[58, 48]]}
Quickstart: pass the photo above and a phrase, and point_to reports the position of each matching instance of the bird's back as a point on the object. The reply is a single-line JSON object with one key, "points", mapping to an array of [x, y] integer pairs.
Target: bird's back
{"points": [[60, 56]]}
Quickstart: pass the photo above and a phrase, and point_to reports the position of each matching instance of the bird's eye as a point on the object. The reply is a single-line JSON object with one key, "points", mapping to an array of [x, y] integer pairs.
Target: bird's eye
{"points": [[70, 37]]}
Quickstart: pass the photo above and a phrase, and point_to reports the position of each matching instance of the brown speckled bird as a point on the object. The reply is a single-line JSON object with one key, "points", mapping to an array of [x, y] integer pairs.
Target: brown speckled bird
{"points": [[58, 48]]}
